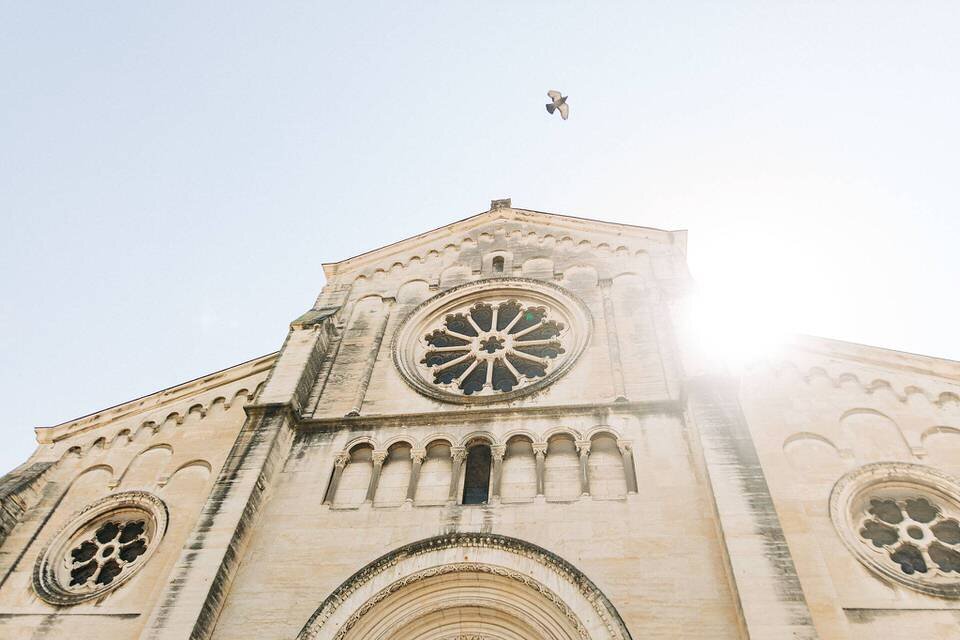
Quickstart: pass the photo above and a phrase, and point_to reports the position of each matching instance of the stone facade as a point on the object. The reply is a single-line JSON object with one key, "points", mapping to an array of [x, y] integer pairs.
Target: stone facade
{"points": [[497, 430]]}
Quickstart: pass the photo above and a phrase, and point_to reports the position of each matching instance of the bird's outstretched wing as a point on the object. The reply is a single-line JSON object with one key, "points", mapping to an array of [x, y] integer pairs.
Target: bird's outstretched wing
{"points": [[554, 95], [564, 110]]}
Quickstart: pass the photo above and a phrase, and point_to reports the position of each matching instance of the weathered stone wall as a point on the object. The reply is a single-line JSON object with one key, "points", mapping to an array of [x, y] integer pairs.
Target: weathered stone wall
{"points": [[170, 444], [616, 415], [622, 280], [822, 410], [655, 554], [692, 507]]}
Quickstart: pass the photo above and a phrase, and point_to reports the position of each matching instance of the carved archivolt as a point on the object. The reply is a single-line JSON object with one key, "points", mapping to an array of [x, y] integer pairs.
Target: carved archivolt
{"points": [[500, 582]]}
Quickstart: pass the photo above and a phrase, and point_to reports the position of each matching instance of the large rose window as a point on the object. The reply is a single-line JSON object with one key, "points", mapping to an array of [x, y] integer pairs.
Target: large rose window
{"points": [[103, 547], [494, 340], [495, 346], [903, 521]]}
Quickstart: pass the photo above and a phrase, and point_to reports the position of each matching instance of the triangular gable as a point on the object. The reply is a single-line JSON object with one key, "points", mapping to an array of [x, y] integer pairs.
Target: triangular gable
{"points": [[501, 210], [870, 356], [153, 407]]}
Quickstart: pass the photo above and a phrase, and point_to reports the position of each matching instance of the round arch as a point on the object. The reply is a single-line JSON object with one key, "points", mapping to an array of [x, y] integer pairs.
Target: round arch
{"points": [[479, 584]]}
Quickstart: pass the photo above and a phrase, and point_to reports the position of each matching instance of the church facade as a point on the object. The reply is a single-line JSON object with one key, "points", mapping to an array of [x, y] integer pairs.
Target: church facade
{"points": [[498, 430]]}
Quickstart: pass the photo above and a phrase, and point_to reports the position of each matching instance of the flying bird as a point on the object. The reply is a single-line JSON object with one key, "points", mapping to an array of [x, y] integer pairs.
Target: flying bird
{"points": [[559, 104]]}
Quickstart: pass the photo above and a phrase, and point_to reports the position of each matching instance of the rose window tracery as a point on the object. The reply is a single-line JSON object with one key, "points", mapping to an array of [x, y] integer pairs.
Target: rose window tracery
{"points": [[914, 533], [101, 548], [495, 346], [902, 521], [491, 340], [113, 548]]}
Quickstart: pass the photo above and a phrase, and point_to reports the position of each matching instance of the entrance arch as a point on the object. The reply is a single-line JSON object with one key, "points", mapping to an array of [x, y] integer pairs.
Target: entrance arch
{"points": [[467, 586]]}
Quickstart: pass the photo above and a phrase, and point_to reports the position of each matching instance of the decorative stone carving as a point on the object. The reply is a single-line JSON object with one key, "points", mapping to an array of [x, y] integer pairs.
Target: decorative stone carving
{"points": [[903, 522], [491, 340], [587, 612], [101, 547]]}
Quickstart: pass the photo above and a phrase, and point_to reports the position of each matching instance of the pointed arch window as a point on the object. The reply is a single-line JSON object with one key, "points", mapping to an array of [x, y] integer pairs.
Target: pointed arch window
{"points": [[476, 481]]}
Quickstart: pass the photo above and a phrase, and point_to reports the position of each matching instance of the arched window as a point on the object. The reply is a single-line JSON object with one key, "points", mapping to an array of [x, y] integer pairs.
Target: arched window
{"points": [[476, 481], [498, 264]]}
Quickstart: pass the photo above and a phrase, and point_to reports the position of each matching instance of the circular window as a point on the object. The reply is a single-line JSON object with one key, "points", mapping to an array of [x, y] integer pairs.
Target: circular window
{"points": [[101, 548], [902, 521], [491, 340]]}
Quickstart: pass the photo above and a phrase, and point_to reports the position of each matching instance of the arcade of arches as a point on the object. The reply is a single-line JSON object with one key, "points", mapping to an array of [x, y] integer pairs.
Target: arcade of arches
{"points": [[563, 468]]}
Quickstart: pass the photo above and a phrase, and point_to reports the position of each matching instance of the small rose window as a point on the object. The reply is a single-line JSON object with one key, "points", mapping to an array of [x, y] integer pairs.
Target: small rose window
{"points": [[902, 521], [493, 346], [101, 548], [112, 549]]}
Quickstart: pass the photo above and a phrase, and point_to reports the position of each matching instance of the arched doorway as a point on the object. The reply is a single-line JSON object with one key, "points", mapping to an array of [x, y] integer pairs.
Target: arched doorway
{"points": [[467, 586]]}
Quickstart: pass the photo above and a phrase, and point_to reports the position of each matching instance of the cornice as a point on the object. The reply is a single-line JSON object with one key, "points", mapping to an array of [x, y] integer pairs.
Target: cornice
{"points": [[882, 357], [557, 221], [472, 414], [156, 400]]}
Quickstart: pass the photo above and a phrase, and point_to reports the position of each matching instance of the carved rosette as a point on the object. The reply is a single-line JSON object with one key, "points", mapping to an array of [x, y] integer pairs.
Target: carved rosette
{"points": [[903, 522], [491, 340], [101, 547]]}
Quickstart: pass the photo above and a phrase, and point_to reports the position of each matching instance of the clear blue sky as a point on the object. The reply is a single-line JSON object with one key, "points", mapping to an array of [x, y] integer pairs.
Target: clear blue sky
{"points": [[172, 175]]}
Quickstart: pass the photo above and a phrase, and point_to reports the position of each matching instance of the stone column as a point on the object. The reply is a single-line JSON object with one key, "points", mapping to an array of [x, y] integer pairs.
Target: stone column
{"points": [[341, 461], [626, 450], [496, 451], [417, 455], [583, 447], [459, 455], [378, 458], [540, 451]]}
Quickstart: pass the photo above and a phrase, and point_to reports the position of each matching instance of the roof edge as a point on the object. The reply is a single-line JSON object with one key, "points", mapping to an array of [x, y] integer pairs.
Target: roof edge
{"points": [[678, 236], [173, 393], [880, 356]]}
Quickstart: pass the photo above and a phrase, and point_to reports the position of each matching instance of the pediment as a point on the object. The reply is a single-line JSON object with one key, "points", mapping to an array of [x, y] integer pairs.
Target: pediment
{"points": [[504, 220]]}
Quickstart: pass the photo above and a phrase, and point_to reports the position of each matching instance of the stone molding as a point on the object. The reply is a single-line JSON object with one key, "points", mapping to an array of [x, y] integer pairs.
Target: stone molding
{"points": [[463, 567], [389, 564]]}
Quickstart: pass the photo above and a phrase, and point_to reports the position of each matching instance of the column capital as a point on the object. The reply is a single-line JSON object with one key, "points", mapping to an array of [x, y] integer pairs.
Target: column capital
{"points": [[379, 457], [459, 454], [342, 459], [498, 451], [417, 455], [539, 448], [625, 446], [583, 447]]}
